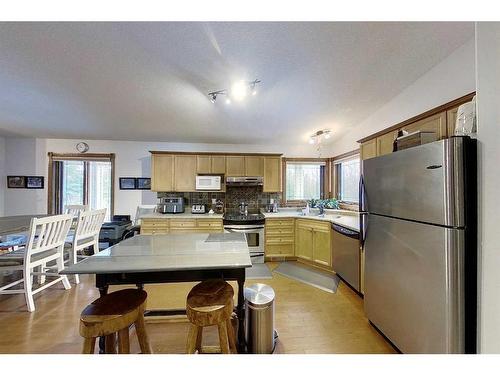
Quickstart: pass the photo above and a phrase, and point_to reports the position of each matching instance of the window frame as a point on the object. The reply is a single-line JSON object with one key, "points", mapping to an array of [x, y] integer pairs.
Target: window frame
{"points": [[335, 162], [52, 157], [326, 179]]}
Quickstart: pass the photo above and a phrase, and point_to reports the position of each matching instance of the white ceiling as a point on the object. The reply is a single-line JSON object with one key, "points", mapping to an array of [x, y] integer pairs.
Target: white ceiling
{"points": [[148, 81]]}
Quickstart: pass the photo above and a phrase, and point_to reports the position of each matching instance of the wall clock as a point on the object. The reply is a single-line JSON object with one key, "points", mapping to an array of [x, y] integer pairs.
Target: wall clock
{"points": [[82, 147]]}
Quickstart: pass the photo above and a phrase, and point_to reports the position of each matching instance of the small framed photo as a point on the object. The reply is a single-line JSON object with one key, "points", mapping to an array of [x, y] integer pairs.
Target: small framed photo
{"points": [[16, 182], [127, 183], [34, 182], [143, 183]]}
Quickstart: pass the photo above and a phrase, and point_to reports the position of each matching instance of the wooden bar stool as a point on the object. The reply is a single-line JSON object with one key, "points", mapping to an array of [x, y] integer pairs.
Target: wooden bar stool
{"points": [[113, 314], [211, 303]]}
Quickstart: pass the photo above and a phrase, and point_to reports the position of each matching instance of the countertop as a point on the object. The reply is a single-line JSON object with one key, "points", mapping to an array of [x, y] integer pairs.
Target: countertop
{"points": [[347, 219], [184, 215], [169, 252]]}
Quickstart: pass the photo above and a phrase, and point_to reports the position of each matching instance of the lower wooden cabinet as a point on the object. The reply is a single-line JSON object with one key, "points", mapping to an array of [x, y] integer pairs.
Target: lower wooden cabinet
{"points": [[181, 225], [313, 241], [279, 238]]}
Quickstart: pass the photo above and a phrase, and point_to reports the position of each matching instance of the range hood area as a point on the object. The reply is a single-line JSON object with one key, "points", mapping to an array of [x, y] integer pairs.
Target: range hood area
{"points": [[244, 181]]}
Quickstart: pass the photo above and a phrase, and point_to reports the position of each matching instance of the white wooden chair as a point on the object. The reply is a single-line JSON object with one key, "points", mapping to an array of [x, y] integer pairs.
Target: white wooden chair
{"points": [[75, 209], [86, 233], [45, 244]]}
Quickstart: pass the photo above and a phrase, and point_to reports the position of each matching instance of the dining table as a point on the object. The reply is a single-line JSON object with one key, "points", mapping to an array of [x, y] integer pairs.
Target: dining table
{"points": [[171, 258]]}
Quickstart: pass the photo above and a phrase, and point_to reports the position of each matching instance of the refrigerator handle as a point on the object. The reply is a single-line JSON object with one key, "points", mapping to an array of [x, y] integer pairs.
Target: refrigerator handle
{"points": [[363, 207]]}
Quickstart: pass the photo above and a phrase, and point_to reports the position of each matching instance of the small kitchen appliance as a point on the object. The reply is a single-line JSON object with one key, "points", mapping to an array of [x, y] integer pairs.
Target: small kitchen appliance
{"points": [[171, 205], [198, 209], [208, 182]]}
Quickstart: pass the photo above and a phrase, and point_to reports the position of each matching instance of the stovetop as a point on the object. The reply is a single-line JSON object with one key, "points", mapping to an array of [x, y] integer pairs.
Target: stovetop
{"points": [[237, 218]]}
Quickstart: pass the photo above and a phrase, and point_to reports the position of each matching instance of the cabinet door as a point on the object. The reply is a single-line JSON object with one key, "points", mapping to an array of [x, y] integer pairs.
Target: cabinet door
{"points": [[451, 120], [322, 249], [385, 143], [235, 166], [162, 172], [203, 164], [254, 166], [436, 124], [185, 173], [218, 164], [304, 241], [272, 174], [369, 149]]}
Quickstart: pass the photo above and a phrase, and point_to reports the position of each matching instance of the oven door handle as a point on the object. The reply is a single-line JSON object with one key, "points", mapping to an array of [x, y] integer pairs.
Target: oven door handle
{"points": [[240, 230]]}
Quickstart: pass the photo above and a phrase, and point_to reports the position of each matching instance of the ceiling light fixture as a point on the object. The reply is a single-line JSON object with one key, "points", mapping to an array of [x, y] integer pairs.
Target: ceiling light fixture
{"points": [[318, 137], [238, 92]]}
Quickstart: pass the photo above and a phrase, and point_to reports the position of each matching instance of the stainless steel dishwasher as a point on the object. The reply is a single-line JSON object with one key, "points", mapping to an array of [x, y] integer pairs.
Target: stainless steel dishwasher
{"points": [[346, 255]]}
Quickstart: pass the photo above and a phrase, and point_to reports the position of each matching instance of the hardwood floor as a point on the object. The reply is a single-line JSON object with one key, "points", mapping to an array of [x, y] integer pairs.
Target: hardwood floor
{"points": [[308, 320]]}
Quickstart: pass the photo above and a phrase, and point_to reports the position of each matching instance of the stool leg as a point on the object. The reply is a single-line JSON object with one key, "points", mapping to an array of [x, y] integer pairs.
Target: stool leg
{"points": [[88, 345], [140, 329], [231, 336], [223, 340], [199, 339], [192, 339], [110, 344], [123, 341]]}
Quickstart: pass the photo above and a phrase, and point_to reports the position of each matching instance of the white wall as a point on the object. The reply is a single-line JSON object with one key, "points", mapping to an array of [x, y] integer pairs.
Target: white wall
{"points": [[132, 160], [3, 179], [488, 98], [450, 79]]}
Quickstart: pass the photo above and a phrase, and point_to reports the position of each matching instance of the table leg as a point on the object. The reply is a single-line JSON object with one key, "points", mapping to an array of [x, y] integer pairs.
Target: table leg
{"points": [[240, 311]]}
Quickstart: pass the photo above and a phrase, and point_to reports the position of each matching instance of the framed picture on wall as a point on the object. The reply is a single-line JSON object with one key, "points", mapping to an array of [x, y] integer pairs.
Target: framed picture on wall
{"points": [[16, 182], [127, 183], [34, 182], [143, 183]]}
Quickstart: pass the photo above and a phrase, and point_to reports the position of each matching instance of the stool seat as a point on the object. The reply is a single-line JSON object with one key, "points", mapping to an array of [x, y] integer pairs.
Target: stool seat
{"points": [[115, 313], [211, 303]]}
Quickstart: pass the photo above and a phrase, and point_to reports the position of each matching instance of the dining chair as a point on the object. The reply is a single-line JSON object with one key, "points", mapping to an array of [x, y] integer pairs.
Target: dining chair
{"points": [[45, 245], [86, 234], [75, 209]]}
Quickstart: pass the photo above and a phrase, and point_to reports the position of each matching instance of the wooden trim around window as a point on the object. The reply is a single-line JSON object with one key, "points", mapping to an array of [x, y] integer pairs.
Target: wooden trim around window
{"points": [[335, 181], [72, 156], [327, 178], [345, 155]]}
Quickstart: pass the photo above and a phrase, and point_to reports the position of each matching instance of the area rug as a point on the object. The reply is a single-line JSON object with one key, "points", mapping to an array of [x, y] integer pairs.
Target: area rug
{"points": [[318, 279], [258, 271]]}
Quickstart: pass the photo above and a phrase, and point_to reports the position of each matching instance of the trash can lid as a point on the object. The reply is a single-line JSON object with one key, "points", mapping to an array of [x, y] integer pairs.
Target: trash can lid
{"points": [[259, 295]]}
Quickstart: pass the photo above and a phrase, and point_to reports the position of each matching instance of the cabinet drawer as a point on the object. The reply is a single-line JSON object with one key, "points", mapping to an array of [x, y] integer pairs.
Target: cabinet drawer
{"points": [[182, 224], [285, 231], [278, 240], [202, 224], [273, 223], [279, 250], [152, 230]]}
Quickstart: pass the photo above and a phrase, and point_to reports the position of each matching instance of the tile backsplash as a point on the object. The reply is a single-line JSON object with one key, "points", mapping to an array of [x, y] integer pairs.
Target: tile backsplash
{"points": [[252, 195]]}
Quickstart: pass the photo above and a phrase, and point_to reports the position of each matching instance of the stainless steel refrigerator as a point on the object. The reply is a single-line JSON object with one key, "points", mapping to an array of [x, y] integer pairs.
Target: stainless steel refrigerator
{"points": [[420, 243]]}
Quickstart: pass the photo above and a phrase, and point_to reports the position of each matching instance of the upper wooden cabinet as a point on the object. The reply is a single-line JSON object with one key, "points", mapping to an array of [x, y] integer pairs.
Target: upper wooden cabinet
{"points": [[162, 172], [385, 143], [185, 173], [218, 164], [451, 120], [254, 166], [210, 164], [235, 166], [436, 124], [272, 174], [369, 149]]}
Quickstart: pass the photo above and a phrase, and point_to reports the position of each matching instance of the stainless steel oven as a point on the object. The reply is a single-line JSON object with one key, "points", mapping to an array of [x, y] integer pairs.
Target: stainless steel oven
{"points": [[255, 239]]}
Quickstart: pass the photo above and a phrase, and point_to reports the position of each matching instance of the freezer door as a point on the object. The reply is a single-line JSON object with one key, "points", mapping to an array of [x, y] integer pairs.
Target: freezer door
{"points": [[414, 289], [423, 183]]}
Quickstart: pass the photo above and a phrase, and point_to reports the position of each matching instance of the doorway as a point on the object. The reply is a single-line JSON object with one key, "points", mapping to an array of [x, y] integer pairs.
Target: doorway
{"points": [[81, 179]]}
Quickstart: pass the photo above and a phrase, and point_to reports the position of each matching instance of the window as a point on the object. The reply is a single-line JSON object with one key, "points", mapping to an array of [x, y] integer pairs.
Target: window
{"points": [[81, 180], [304, 180], [347, 175]]}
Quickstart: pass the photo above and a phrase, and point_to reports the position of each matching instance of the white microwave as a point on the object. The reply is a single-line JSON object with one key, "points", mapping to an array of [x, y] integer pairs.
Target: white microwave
{"points": [[208, 182]]}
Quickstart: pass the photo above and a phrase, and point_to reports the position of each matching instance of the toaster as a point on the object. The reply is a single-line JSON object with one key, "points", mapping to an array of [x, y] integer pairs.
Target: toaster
{"points": [[198, 209]]}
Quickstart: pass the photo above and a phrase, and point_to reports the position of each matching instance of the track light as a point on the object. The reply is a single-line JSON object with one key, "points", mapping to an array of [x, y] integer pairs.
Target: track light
{"points": [[319, 136], [239, 91]]}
